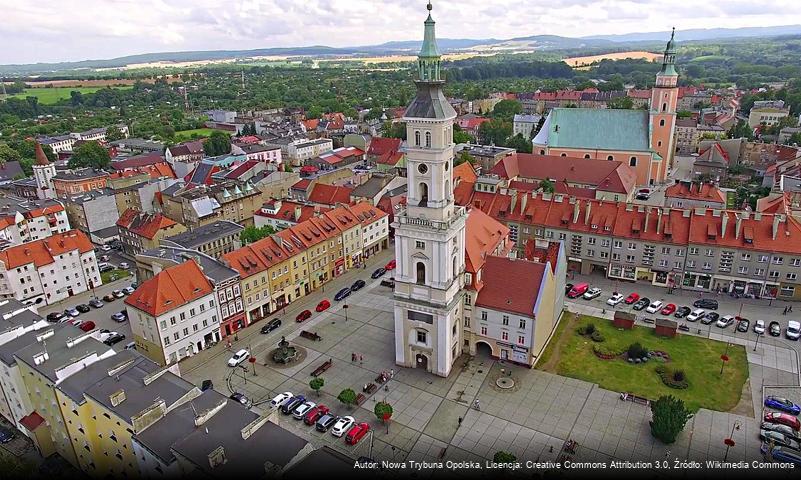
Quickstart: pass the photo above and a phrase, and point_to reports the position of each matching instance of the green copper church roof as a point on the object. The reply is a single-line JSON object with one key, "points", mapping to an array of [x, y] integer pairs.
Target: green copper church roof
{"points": [[429, 48], [595, 128]]}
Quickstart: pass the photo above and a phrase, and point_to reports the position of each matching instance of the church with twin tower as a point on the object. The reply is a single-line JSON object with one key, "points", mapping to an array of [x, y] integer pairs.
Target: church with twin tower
{"points": [[430, 233]]}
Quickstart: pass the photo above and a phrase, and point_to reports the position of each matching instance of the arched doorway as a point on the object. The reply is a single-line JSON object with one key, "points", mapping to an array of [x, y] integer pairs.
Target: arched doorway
{"points": [[421, 361], [421, 273], [423, 194], [483, 350]]}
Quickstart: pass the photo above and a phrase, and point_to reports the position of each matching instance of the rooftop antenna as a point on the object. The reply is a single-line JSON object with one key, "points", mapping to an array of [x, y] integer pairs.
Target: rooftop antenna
{"points": [[243, 79]]}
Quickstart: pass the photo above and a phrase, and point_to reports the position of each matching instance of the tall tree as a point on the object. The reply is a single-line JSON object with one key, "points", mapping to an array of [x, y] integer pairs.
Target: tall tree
{"points": [[348, 397], [506, 109], [496, 131], [669, 418], [114, 133], [218, 143], [460, 136], [519, 143], [90, 154]]}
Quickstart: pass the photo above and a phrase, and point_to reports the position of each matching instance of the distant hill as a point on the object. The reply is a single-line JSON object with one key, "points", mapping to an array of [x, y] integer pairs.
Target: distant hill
{"points": [[702, 34]]}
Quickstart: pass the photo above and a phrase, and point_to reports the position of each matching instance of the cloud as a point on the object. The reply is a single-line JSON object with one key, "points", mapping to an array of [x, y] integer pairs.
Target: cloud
{"points": [[60, 30]]}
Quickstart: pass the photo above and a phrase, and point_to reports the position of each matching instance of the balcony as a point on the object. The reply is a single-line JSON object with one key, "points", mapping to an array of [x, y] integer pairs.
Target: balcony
{"points": [[459, 212]]}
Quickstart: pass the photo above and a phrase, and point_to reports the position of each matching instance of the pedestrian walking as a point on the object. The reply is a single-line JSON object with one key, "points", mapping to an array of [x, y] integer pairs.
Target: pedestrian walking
{"points": [[352, 357], [391, 373], [785, 311], [790, 309], [460, 421], [477, 405], [361, 359]]}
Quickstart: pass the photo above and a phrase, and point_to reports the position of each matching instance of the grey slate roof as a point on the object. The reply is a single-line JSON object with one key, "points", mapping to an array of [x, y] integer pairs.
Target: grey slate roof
{"points": [[328, 460], [212, 268], [206, 233], [430, 102], [8, 349]]}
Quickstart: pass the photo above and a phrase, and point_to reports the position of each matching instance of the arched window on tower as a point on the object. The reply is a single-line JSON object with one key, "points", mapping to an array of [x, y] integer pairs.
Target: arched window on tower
{"points": [[610, 157], [417, 138], [586, 155], [428, 139], [421, 273], [633, 162], [542, 152], [662, 123], [447, 189], [664, 107], [423, 187], [454, 266]]}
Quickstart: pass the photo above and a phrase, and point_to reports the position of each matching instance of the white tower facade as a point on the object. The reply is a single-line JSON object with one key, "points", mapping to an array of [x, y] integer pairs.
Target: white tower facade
{"points": [[430, 233], [43, 173]]}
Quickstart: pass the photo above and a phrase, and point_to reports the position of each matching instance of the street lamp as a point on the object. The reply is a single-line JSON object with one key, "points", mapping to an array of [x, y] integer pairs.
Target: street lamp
{"points": [[756, 342], [730, 441], [345, 307]]}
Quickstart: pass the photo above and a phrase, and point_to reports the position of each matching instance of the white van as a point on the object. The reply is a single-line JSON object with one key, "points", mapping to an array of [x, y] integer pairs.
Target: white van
{"points": [[105, 267], [793, 330]]}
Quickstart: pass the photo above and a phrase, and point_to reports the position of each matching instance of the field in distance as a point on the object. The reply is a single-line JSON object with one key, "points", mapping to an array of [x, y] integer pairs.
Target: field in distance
{"points": [[51, 95], [578, 62]]}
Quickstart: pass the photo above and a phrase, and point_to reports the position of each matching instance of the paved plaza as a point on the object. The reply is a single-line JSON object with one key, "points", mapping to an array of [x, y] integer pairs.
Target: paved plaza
{"points": [[531, 420]]}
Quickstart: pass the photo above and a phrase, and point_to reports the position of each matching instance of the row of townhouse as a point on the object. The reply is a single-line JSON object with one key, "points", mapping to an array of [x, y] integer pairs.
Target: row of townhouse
{"points": [[701, 249], [24, 220], [301, 258], [119, 414]]}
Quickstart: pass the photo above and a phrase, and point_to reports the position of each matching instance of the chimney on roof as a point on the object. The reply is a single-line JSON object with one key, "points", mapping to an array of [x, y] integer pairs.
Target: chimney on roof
{"points": [[575, 212], [298, 211], [587, 212], [659, 213], [513, 201], [724, 223], [523, 202], [777, 220], [647, 218], [738, 225]]}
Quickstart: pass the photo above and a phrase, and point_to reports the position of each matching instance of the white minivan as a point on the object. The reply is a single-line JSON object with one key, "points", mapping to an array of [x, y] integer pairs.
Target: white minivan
{"points": [[793, 330], [696, 315]]}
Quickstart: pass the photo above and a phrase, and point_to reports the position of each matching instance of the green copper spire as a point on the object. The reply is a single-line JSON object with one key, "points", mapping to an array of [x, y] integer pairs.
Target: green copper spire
{"points": [[428, 60], [669, 58]]}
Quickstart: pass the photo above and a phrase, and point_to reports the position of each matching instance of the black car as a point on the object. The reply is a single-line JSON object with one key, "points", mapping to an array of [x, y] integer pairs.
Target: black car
{"points": [[743, 324], [95, 303], [114, 339], [271, 325], [357, 285], [706, 303], [325, 422], [55, 316], [641, 303], [241, 399], [775, 329], [6, 435], [682, 312], [206, 385], [292, 404], [342, 294], [83, 308], [710, 317], [378, 272]]}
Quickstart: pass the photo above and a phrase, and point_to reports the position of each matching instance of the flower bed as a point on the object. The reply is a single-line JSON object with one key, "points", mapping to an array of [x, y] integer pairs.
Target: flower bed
{"points": [[605, 353], [672, 378]]}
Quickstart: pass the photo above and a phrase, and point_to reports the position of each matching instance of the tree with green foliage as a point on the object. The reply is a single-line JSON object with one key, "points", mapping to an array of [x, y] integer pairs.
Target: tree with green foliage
{"points": [[383, 411], [621, 103], [669, 416], [218, 143], [464, 157], [519, 143], [507, 109], [795, 139], [253, 233], [495, 132], [114, 133], [8, 154], [316, 384], [90, 154], [460, 136], [547, 186], [504, 457], [348, 397], [684, 114], [741, 130], [394, 130]]}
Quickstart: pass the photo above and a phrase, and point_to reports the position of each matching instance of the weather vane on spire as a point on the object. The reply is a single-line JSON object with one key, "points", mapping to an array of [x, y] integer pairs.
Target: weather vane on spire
{"points": [[429, 7]]}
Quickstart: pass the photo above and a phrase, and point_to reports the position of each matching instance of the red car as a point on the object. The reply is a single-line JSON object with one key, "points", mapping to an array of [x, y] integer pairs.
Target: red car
{"points": [[391, 265], [633, 297], [669, 309], [87, 326], [356, 433], [323, 305], [783, 419], [314, 414], [303, 316]]}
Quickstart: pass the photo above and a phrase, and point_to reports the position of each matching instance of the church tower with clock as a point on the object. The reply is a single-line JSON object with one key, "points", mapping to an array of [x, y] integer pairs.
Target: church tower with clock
{"points": [[430, 233]]}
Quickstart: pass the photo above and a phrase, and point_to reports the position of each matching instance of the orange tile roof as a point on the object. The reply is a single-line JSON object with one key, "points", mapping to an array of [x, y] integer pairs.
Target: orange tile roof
{"points": [[287, 211], [42, 252], [171, 288], [144, 224], [366, 213], [483, 235], [778, 204], [707, 192], [38, 212], [329, 194], [380, 146], [511, 285], [342, 218]]}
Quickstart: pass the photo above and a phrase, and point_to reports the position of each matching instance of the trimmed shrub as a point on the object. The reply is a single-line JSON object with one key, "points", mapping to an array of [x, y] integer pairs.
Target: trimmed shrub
{"points": [[605, 352], [636, 350], [586, 330], [679, 376], [672, 378], [597, 336]]}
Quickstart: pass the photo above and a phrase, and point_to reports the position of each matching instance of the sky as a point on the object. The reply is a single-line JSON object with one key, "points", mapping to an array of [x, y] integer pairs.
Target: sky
{"points": [[68, 30]]}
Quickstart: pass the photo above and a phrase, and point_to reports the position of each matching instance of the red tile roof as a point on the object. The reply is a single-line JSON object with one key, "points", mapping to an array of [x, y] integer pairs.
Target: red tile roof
{"points": [[144, 224], [302, 184], [329, 194], [171, 288], [366, 213], [464, 180], [287, 211], [706, 192], [32, 421], [311, 124], [381, 146], [778, 204], [42, 252], [511, 285], [483, 236], [389, 158]]}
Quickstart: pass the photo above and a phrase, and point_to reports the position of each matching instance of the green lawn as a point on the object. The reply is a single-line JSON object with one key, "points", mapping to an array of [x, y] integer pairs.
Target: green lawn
{"points": [[50, 96], [188, 134], [698, 357], [106, 277]]}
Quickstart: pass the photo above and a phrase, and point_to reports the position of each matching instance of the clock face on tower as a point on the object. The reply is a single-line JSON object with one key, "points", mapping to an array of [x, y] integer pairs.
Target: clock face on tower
{"points": [[422, 168]]}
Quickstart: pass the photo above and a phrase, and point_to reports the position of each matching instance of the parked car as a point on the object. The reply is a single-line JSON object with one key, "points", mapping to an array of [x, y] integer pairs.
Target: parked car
{"points": [[105, 267], [241, 398], [271, 325], [87, 326], [105, 248], [72, 312], [783, 454], [105, 333], [292, 404], [725, 321], [357, 285], [6, 434], [568, 287], [759, 327], [633, 297], [682, 311], [743, 324], [325, 422], [615, 299], [124, 265], [279, 399], [303, 316], [783, 404], [655, 306], [55, 316], [390, 265], [120, 316], [342, 294], [128, 290], [793, 330], [356, 433], [114, 339], [315, 414], [774, 329], [95, 303], [109, 297], [238, 357], [117, 293], [644, 193], [668, 309], [594, 292], [641, 303], [778, 427], [782, 418], [779, 439], [104, 258], [378, 272], [707, 303], [578, 290], [342, 425], [83, 308], [323, 305], [696, 315], [710, 317], [206, 385], [301, 410]]}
